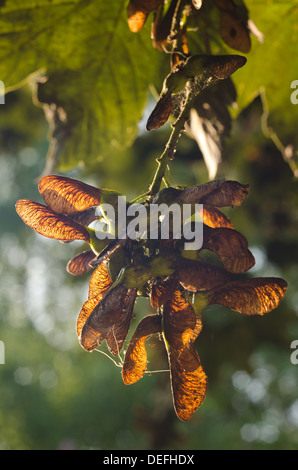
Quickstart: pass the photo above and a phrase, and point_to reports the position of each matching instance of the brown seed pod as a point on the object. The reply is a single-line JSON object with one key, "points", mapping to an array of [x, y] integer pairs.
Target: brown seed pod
{"points": [[135, 362], [80, 264], [66, 195], [255, 296], [49, 224], [113, 310]]}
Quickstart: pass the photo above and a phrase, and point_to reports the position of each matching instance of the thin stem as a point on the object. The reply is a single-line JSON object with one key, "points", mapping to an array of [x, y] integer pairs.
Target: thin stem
{"points": [[168, 153]]}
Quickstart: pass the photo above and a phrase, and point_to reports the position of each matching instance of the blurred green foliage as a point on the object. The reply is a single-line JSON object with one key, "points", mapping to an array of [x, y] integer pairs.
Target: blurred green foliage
{"points": [[54, 395]]}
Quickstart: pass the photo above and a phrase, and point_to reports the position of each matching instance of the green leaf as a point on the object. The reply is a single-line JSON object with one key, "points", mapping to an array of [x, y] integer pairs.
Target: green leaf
{"points": [[96, 72], [271, 67]]}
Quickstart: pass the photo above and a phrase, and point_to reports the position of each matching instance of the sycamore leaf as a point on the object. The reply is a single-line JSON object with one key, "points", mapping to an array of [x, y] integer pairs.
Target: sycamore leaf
{"points": [[251, 296], [135, 362], [230, 246], [80, 264], [49, 224], [95, 72], [275, 20]]}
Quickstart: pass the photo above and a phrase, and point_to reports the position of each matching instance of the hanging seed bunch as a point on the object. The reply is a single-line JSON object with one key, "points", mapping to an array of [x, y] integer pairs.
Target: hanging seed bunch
{"points": [[179, 283]]}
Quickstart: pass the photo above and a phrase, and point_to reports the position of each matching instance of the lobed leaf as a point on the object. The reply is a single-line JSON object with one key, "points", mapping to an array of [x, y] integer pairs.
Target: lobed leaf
{"points": [[251, 296], [135, 362], [49, 224]]}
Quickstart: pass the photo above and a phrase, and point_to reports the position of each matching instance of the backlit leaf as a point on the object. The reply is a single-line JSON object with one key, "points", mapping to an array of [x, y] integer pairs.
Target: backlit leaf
{"points": [[95, 72], [49, 224], [135, 362], [251, 296]]}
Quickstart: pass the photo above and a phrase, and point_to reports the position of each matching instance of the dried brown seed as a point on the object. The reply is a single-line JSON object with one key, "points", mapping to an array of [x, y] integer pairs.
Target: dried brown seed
{"points": [[49, 224], [213, 217], [188, 381], [179, 321], [161, 291], [137, 12], [230, 246], [66, 195], [113, 310], [80, 264], [135, 362], [197, 275], [161, 112], [251, 296]]}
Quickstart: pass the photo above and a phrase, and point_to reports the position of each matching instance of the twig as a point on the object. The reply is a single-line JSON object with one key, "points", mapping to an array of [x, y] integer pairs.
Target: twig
{"points": [[168, 153]]}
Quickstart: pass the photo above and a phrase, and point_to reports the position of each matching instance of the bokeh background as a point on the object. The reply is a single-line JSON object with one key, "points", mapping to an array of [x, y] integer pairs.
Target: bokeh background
{"points": [[54, 395]]}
